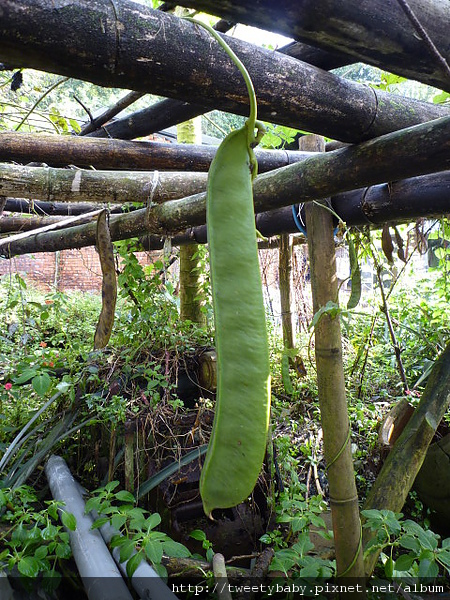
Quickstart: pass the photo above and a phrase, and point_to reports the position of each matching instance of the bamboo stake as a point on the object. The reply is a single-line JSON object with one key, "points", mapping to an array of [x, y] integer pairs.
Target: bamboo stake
{"points": [[331, 387]]}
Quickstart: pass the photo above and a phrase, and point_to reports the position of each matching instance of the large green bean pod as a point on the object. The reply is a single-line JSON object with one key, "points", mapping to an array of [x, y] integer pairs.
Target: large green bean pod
{"points": [[238, 440]]}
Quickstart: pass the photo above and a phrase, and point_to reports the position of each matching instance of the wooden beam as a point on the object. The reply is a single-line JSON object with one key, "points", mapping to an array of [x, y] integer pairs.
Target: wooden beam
{"points": [[60, 151], [376, 32], [169, 112], [82, 185], [131, 46]]}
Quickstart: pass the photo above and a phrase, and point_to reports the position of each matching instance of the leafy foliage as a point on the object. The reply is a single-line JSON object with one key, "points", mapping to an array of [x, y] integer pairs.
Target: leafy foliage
{"points": [[137, 538], [408, 550], [34, 541]]}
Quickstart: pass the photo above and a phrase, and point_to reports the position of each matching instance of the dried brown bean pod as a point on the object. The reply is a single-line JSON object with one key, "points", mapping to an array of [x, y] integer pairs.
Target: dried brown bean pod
{"points": [[400, 245], [109, 285], [386, 243]]}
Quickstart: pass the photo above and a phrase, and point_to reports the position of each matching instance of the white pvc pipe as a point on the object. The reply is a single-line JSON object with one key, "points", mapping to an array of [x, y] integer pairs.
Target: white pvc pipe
{"points": [[145, 580], [101, 578]]}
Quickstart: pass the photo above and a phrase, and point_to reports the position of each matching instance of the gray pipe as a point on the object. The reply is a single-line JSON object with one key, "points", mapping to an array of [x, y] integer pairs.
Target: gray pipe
{"points": [[97, 569], [145, 580]]}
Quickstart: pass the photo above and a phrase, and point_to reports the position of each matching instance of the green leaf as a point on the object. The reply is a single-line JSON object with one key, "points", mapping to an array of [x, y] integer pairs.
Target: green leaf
{"points": [[410, 543], [75, 125], [63, 386], [99, 522], [127, 549], [161, 570], [41, 383], [198, 534], [27, 375], [41, 552], [124, 496], [109, 487], [154, 551], [92, 504], [428, 568], [133, 563], [153, 521], [404, 562], [69, 521], [49, 532], [118, 521], [444, 556], [28, 566], [175, 549], [303, 545], [63, 551], [389, 568]]}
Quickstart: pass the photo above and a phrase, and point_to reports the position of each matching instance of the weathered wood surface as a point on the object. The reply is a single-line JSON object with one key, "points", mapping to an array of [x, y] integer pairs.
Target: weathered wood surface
{"points": [[417, 149], [169, 112], [111, 112], [376, 32], [398, 202], [36, 207], [61, 150], [83, 185], [131, 46]]}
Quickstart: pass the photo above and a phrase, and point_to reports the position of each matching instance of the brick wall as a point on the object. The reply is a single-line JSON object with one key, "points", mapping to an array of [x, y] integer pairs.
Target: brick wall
{"points": [[65, 270]]}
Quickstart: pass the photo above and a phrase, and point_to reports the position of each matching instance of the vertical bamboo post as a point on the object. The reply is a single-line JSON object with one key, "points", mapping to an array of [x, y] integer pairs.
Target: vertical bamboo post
{"points": [[190, 132], [331, 387], [285, 270]]}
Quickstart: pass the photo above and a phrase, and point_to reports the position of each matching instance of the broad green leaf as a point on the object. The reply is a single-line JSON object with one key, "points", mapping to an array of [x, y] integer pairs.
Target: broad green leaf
{"points": [[428, 569], [404, 562], [124, 496], [154, 551], [41, 383], [63, 551], [49, 532], [127, 549], [444, 556], [303, 545], [409, 542], [133, 563], [109, 487], [99, 522], [153, 521], [27, 375], [175, 549], [69, 521], [92, 504], [41, 552], [118, 521], [198, 534], [28, 566], [389, 568]]}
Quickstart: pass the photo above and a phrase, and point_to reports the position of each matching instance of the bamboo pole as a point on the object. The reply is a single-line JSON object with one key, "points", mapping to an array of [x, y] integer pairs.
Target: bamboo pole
{"points": [[419, 149], [331, 388], [190, 132], [375, 32], [61, 150], [146, 50], [403, 463], [285, 271], [81, 185]]}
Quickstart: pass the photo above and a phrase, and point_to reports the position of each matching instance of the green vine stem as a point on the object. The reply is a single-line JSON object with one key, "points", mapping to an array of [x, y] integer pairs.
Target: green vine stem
{"points": [[252, 121]]}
